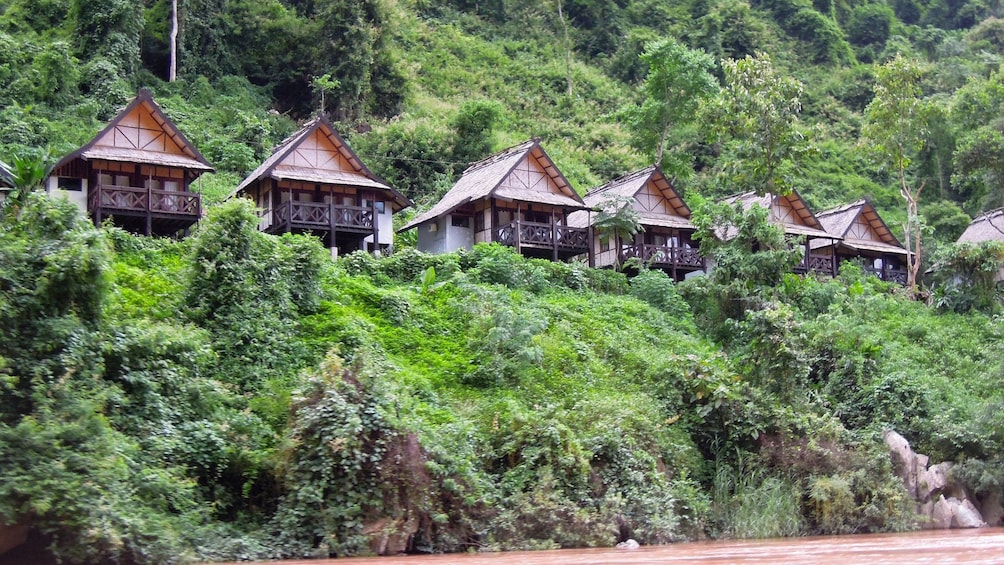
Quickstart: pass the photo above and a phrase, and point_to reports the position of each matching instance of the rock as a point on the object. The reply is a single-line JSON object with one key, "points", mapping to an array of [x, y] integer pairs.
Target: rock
{"points": [[954, 513], [931, 481], [629, 544], [12, 536], [992, 509], [967, 516], [905, 459], [942, 514]]}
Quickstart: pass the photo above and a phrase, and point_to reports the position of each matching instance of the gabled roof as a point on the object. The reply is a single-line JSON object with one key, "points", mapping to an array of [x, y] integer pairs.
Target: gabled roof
{"points": [[141, 133], [877, 236], [489, 178], [629, 186], [806, 222], [988, 226], [329, 161]]}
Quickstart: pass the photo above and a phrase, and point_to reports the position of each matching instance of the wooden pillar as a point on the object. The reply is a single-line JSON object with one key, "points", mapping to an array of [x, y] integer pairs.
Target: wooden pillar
{"points": [[808, 255], [332, 228], [96, 187], [833, 256], [149, 209], [494, 222], [376, 224], [591, 247], [554, 238]]}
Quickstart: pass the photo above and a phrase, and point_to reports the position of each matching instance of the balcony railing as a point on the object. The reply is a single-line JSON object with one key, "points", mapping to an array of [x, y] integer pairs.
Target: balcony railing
{"points": [[816, 264], [898, 276], [664, 255], [548, 235], [321, 216], [112, 198]]}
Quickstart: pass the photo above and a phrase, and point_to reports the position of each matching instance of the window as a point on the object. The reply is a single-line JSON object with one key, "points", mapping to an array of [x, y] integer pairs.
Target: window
{"points": [[460, 221], [67, 183], [381, 206]]}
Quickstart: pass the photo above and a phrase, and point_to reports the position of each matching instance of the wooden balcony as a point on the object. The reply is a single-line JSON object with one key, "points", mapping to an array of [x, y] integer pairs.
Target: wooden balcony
{"points": [[665, 256], [145, 210], [563, 241], [898, 276], [321, 217], [823, 265]]}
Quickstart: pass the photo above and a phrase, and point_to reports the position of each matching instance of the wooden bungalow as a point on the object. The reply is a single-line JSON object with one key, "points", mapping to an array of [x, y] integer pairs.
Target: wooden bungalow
{"points": [[796, 219], [517, 198], [315, 183], [864, 237], [988, 226], [138, 171], [666, 240]]}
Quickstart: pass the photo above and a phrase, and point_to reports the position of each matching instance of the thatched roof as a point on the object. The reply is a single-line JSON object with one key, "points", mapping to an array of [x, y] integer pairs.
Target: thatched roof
{"points": [[497, 177], [328, 160], [861, 228], [988, 226], [801, 222], [141, 133], [675, 215]]}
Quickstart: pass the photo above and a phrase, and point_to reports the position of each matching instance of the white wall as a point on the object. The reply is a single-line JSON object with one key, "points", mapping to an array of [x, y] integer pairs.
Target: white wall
{"points": [[78, 197], [445, 237], [385, 227]]}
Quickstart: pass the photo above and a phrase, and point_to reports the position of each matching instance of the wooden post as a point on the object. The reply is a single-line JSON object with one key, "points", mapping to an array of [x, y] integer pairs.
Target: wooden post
{"points": [[332, 227], [589, 238], [149, 208], [554, 238], [494, 224], [833, 257], [808, 257], [376, 224]]}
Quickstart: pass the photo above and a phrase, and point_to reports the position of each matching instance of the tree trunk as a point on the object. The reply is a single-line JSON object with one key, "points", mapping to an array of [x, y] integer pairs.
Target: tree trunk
{"points": [[912, 229], [568, 49], [172, 72]]}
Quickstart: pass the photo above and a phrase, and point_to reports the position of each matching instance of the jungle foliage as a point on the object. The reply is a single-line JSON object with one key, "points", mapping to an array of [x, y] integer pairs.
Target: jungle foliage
{"points": [[239, 396]]}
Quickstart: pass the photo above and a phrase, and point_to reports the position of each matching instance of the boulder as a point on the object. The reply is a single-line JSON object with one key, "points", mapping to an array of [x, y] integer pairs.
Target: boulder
{"points": [[967, 516], [12, 536], [905, 459], [954, 513], [932, 480], [992, 511], [942, 514], [629, 544]]}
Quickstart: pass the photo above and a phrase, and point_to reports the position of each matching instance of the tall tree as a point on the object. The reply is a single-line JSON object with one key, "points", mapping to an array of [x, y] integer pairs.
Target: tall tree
{"points": [[896, 123], [755, 120], [678, 80], [172, 72]]}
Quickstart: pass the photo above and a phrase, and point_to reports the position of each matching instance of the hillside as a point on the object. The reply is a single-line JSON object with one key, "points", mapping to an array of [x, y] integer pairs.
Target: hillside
{"points": [[436, 85], [235, 395]]}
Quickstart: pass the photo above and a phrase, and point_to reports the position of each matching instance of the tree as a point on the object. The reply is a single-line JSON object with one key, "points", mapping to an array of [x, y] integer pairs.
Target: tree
{"points": [[896, 123], [24, 175], [617, 219], [678, 80], [755, 119], [172, 71]]}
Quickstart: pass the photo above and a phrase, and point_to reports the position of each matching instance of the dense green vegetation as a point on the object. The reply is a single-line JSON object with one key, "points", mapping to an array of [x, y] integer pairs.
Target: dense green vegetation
{"points": [[236, 395]]}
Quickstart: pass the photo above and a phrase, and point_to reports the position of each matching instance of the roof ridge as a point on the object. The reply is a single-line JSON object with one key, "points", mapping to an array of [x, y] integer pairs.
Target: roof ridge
{"points": [[621, 180], [500, 155]]}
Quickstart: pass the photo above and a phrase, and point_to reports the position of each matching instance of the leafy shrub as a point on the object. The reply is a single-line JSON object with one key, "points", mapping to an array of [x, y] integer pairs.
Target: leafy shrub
{"points": [[656, 288]]}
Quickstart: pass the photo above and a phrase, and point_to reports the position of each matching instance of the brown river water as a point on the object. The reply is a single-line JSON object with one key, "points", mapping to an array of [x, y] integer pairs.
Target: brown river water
{"points": [[984, 546]]}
